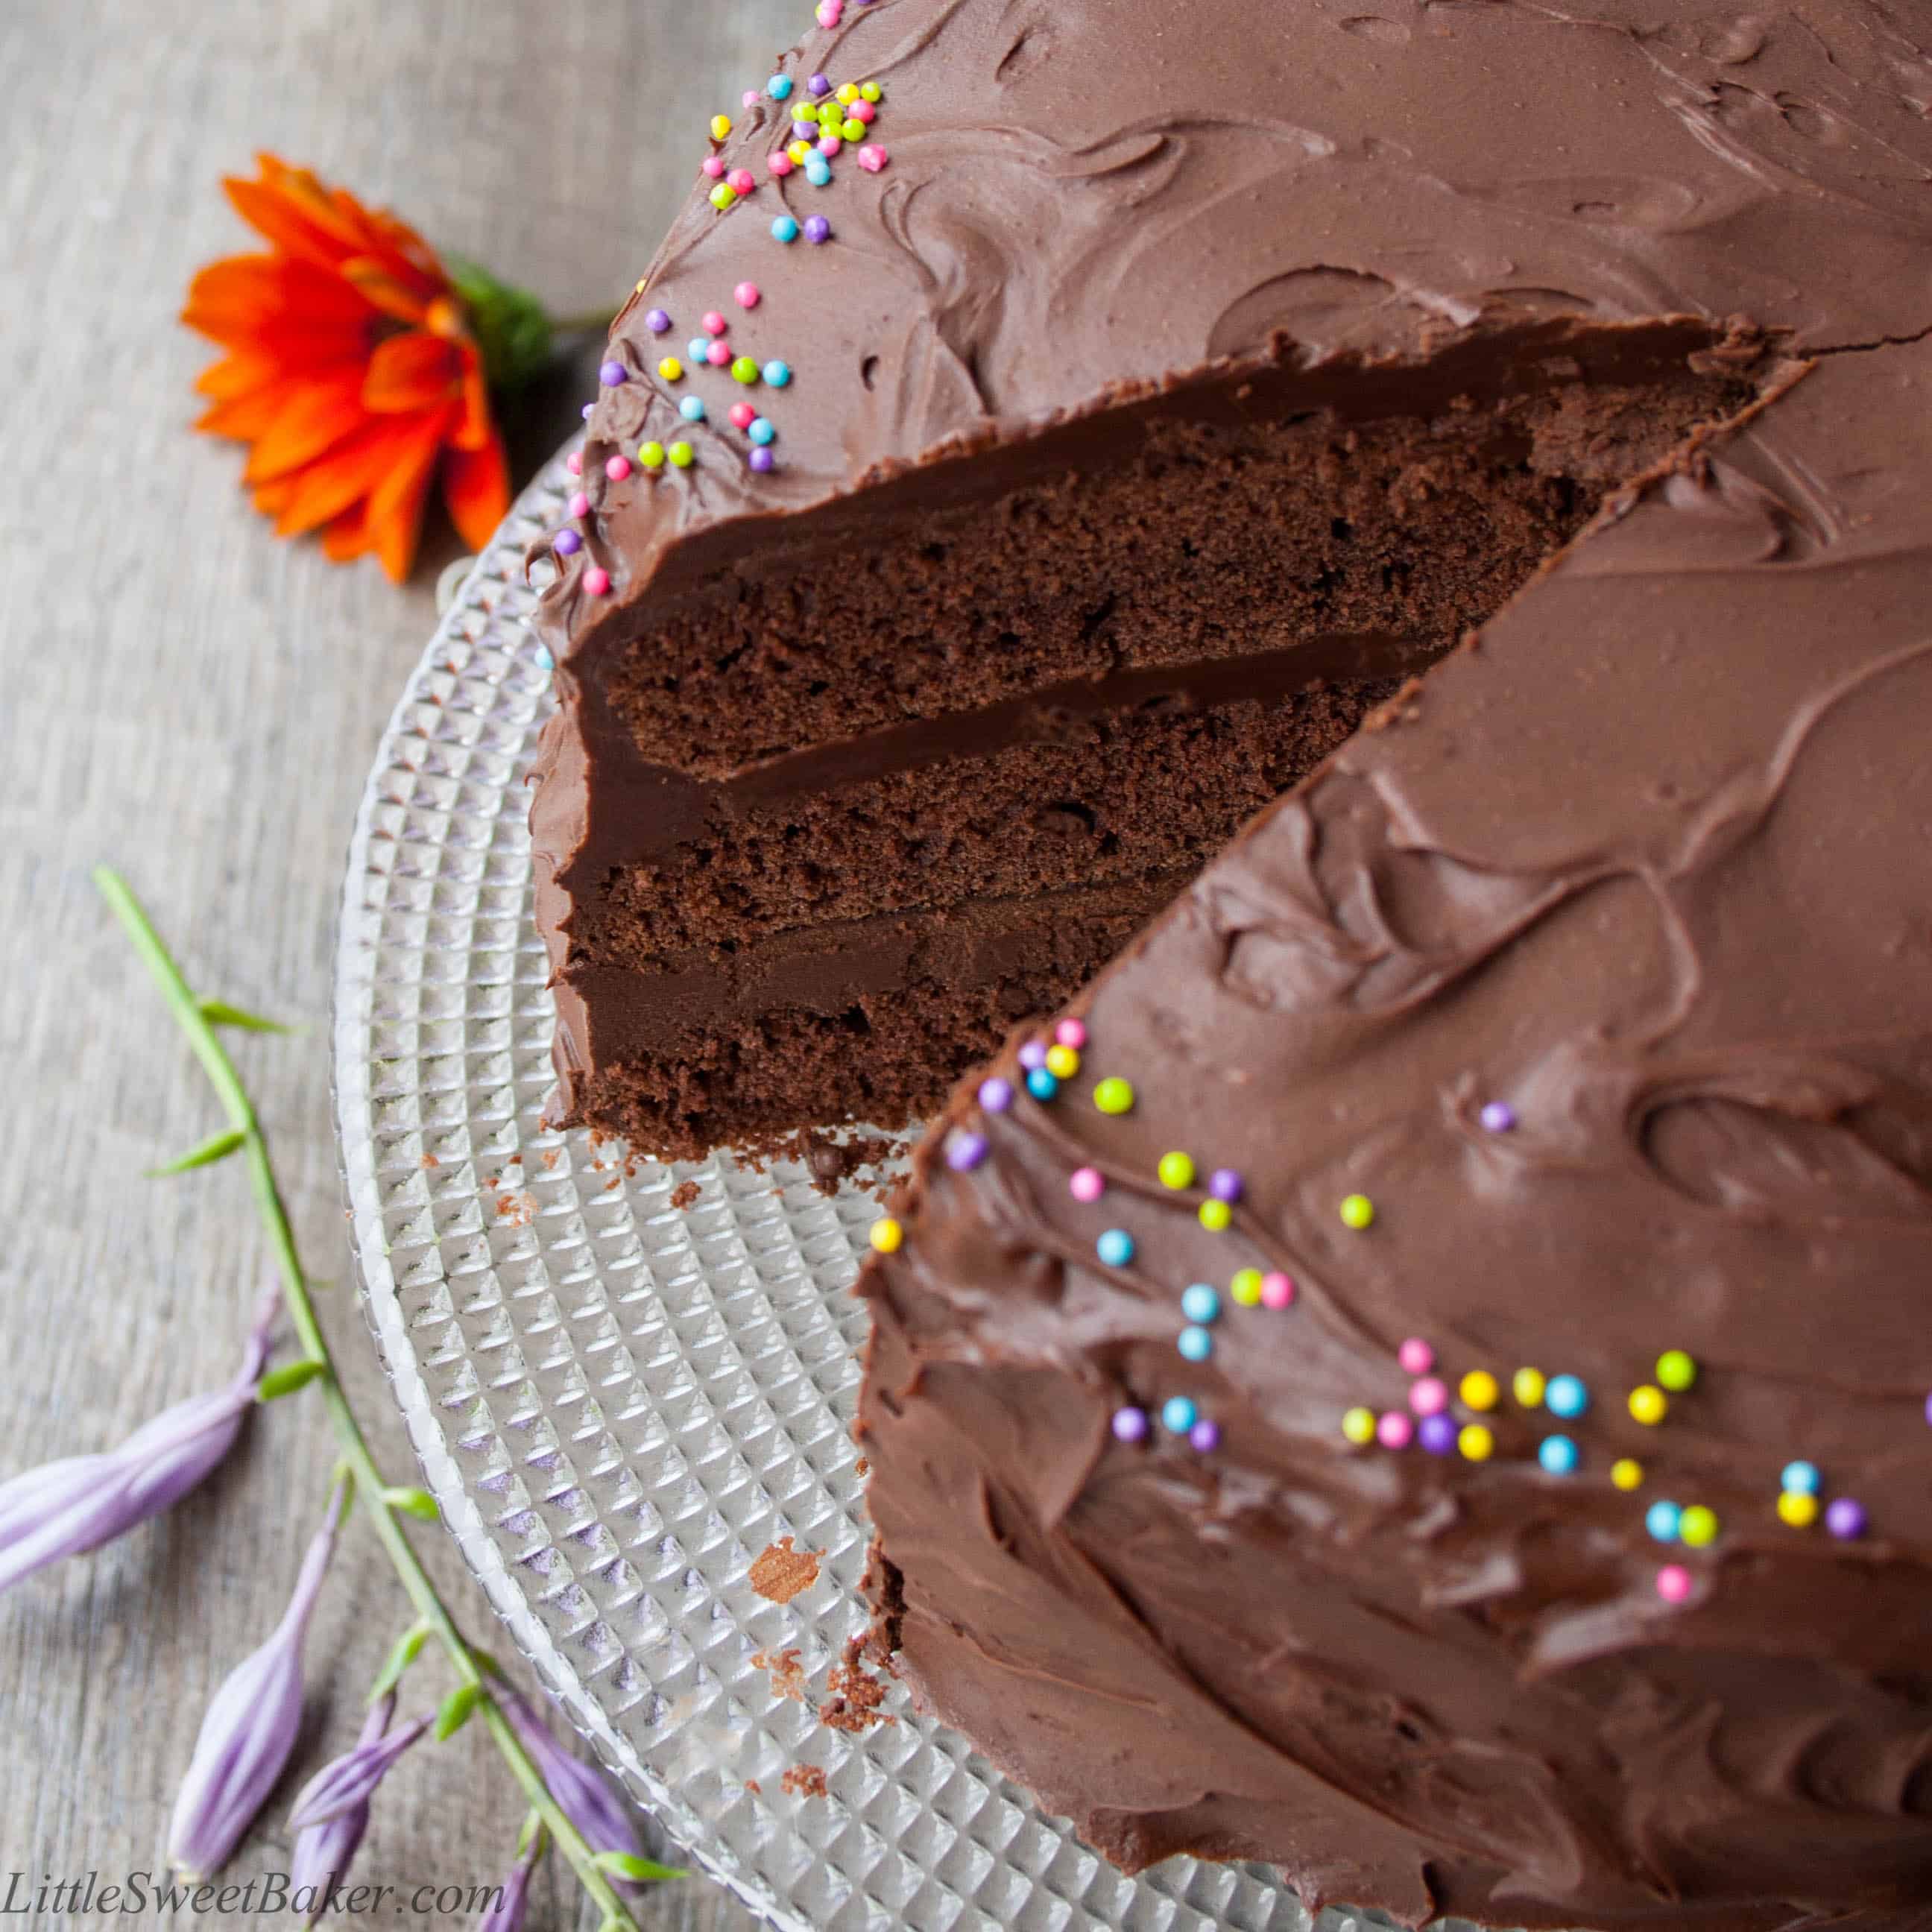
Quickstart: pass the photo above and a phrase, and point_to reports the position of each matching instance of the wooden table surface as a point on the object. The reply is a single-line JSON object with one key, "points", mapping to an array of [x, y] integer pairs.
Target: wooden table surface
{"points": [[194, 702]]}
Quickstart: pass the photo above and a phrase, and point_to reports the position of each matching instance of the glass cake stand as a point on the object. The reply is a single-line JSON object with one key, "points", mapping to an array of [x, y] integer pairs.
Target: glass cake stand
{"points": [[626, 1380]]}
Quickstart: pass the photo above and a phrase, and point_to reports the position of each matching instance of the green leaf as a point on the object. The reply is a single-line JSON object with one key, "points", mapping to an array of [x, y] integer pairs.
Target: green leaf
{"points": [[219, 1012], [217, 1147], [289, 1377], [638, 1871], [510, 325], [417, 1503], [456, 1710], [533, 1831], [408, 1649]]}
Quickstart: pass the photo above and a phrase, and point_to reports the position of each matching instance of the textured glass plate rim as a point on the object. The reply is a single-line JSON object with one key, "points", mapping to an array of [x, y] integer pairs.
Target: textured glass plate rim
{"points": [[1181, 1893]]}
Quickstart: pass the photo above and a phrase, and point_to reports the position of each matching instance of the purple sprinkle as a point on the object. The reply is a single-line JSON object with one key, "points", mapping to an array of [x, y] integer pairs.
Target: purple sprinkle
{"points": [[1437, 1434], [1928, 1410], [567, 543], [1498, 1117], [1130, 1424], [1205, 1436], [964, 1152], [657, 321], [762, 460], [588, 408], [1224, 1184], [819, 86], [612, 373], [1033, 1054], [1845, 1518], [817, 229], [805, 131], [996, 1095]]}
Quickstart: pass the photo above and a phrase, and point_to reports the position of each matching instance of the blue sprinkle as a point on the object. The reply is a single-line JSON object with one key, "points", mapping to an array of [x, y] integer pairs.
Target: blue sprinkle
{"points": [[544, 660], [1178, 1415], [1566, 1395], [1199, 1302], [778, 374], [817, 170], [785, 228], [760, 431], [1662, 1520], [1042, 1084], [692, 409], [1801, 1479], [1196, 1344], [1557, 1454], [698, 348], [1115, 1246], [779, 87]]}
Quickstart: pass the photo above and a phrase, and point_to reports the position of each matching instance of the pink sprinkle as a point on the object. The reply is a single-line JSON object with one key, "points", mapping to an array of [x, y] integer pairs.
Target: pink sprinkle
{"points": [[713, 165], [596, 580], [1416, 1357], [1071, 1033], [715, 324], [618, 468], [779, 164], [580, 504], [743, 179], [862, 111], [1395, 1430], [1429, 1396], [872, 157], [574, 463], [750, 97], [718, 354], [745, 295], [1277, 1290], [829, 144], [1086, 1183], [828, 12], [1673, 1583], [742, 415]]}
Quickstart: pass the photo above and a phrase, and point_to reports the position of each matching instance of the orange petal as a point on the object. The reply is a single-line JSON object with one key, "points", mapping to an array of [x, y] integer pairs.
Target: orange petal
{"points": [[296, 227], [473, 428], [349, 536], [319, 415], [476, 487], [376, 279], [246, 291], [414, 371], [272, 498], [239, 374], [395, 505], [347, 473], [248, 418]]}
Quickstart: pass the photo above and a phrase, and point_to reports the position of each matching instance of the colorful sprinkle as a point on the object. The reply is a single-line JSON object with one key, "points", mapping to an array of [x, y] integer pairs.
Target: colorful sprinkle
{"points": [[1176, 1170], [1673, 1583], [778, 374], [1557, 1454], [718, 353], [965, 1151], [617, 468], [1086, 1183], [779, 87], [1499, 1117], [1215, 1215], [1040, 1084], [1178, 1415], [612, 373], [657, 321], [1663, 1520], [1626, 1472], [574, 463], [566, 543], [681, 455], [1245, 1288], [580, 504], [864, 113], [724, 196], [1114, 1095], [829, 145], [818, 172], [1358, 1425], [745, 370], [671, 369], [1032, 1052], [1698, 1526], [778, 166], [871, 90], [1130, 1424], [544, 660], [1566, 1395], [1480, 1389], [1205, 1436], [806, 132], [1060, 1061], [1845, 1518], [1200, 1304], [1277, 1289], [848, 94], [1648, 1405], [746, 295], [651, 455], [1195, 1344], [1476, 1441], [1437, 1434], [1115, 1246], [886, 1235], [1797, 1509], [872, 157], [698, 349], [721, 126], [741, 180], [1416, 1357], [1070, 1033], [742, 417], [713, 165], [1802, 1478], [692, 409], [817, 229], [762, 460], [1395, 1430], [1527, 1386], [1429, 1396], [1357, 1210], [596, 580], [996, 1095], [589, 409], [1675, 1370], [853, 129]]}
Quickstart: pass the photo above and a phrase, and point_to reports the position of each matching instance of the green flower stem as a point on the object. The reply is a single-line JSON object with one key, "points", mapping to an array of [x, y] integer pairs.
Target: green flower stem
{"points": [[369, 1487]]}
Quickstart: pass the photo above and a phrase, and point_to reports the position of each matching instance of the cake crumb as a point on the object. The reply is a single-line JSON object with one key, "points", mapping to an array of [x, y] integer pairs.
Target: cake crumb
{"points": [[430, 1160], [519, 1210], [805, 1780], [856, 1696], [786, 1673], [549, 1158], [862, 1465], [781, 1572], [684, 1193], [752, 1786], [832, 1162]]}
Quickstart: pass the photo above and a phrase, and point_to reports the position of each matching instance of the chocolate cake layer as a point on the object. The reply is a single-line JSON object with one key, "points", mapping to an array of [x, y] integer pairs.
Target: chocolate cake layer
{"points": [[1576, 1015]]}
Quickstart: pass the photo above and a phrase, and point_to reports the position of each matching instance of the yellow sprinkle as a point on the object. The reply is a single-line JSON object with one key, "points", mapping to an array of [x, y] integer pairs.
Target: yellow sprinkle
{"points": [[1648, 1404], [870, 90], [1176, 1170], [1480, 1389], [1698, 1526], [651, 455], [1215, 1215], [1359, 1425], [720, 126], [1626, 1472], [1796, 1508], [848, 94], [799, 150], [723, 197], [1357, 1210], [1114, 1095], [1527, 1385], [681, 454], [887, 1234], [1245, 1289], [1062, 1062], [670, 368], [1476, 1442], [1676, 1369], [640, 289]]}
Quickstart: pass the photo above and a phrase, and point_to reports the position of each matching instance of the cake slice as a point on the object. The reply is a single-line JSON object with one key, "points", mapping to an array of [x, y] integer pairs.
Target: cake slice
{"points": [[1154, 402]]}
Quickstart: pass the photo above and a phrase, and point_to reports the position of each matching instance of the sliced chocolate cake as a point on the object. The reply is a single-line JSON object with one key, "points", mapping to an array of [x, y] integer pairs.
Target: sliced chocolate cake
{"points": [[1050, 428]]}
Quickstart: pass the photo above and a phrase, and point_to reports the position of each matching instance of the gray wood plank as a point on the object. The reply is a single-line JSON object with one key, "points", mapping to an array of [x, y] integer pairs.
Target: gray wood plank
{"points": [[198, 704]]}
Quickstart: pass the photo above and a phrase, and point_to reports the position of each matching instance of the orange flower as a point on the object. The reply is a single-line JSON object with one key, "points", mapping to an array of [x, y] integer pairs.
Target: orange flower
{"points": [[353, 374]]}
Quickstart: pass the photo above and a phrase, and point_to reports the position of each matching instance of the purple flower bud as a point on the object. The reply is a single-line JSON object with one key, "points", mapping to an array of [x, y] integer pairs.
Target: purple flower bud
{"points": [[506, 1910], [349, 1781], [325, 1849], [249, 1728], [607, 1823], [68, 1507]]}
